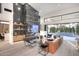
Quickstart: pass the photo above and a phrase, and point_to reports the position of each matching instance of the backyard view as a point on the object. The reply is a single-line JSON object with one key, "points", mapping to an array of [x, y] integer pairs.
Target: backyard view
{"points": [[71, 28]]}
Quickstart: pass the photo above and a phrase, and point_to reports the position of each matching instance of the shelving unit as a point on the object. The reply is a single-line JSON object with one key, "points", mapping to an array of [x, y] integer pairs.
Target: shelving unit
{"points": [[19, 31], [32, 17], [23, 20]]}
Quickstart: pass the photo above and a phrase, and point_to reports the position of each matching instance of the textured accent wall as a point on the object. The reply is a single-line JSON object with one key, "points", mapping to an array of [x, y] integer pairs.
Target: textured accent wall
{"points": [[0, 7]]}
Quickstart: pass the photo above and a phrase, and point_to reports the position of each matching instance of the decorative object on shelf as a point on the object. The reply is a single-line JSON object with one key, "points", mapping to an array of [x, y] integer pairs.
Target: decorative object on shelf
{"points": [[15, 23]]}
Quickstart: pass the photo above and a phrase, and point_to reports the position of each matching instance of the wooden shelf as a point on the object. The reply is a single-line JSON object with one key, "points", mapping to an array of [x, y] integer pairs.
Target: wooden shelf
{"points": [[18, 28], [18, 38], [20, 24]]}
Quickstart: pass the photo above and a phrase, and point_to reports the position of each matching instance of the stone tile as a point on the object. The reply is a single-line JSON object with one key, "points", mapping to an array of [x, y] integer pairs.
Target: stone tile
{"points": [[19, 49]]}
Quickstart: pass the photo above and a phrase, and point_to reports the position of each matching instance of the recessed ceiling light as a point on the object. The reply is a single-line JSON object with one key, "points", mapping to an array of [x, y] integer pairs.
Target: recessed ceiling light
{"points": [[19, 8]]}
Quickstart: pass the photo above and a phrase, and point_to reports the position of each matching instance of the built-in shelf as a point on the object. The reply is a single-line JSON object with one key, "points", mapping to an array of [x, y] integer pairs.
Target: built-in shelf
{"points": [[24, 18], [19, 29]]}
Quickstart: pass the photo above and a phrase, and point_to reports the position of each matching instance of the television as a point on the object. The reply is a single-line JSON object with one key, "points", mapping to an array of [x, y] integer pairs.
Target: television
{"points": [[34, 28]]}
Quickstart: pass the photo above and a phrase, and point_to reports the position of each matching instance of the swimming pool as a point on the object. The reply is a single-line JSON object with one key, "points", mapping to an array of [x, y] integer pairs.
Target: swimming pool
{"points": [[67, 36]]}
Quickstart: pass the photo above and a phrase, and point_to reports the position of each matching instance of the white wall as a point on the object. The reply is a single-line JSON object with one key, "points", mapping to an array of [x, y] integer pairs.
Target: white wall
{"points": [[41, 24], [4, 15], [8, 16]]}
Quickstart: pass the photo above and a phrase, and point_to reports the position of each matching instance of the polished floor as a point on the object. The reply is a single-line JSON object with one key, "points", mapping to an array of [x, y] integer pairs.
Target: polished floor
{"points": [[19, 49]]}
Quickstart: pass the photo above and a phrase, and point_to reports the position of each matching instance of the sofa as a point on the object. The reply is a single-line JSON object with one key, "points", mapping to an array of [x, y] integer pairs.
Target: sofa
{"points": [[54, 45]]}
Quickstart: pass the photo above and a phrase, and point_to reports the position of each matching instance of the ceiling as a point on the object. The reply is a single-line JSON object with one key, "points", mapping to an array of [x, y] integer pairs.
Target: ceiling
{"points": [[45, 8]]}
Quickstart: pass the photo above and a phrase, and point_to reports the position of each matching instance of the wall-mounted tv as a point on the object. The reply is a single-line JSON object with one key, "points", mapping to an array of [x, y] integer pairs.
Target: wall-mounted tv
{"points": [[34, 28]]}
